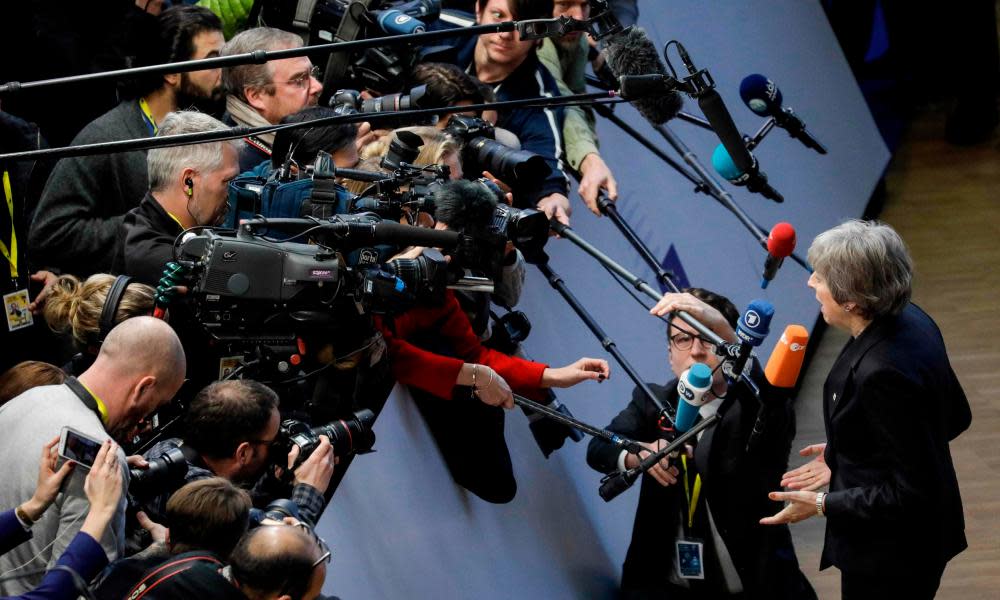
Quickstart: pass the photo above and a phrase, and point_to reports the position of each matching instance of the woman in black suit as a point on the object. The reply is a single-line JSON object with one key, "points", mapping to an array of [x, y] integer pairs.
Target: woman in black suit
{"points": [[891, 405]]}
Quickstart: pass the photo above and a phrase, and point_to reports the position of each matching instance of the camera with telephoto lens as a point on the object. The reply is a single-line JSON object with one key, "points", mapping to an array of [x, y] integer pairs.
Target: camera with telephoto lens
{"points": [[164, 473], [526, 228], [481, 152], [347, 436], [349, 102]]}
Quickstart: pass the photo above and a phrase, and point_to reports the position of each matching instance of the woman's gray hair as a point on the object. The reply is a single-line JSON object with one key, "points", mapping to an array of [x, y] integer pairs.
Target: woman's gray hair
{"points": [[237, 79], [163, 164], [865, 262]]}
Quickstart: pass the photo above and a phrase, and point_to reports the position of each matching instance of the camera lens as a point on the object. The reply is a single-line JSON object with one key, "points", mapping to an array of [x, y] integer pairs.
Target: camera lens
{"points": [[519, 167]]}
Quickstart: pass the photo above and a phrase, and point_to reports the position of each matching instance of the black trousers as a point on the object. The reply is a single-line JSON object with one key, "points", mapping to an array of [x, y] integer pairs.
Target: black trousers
{"points": [[912, 582], [470, 436]]}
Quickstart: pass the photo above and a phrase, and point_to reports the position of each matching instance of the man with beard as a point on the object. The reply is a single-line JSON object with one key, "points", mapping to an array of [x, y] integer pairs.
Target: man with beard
{"points": [[261, 95], [230, 430], [86, 197], [139, 369]]}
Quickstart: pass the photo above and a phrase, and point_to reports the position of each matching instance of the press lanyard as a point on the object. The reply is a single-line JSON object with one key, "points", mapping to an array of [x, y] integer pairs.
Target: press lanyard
{"points": [[89, 398], [692, 499], [150, 123], [10, 253]]}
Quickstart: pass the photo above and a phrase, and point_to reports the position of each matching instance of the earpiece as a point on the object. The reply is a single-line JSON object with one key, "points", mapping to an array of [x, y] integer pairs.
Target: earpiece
{"points": [[190, 186]]}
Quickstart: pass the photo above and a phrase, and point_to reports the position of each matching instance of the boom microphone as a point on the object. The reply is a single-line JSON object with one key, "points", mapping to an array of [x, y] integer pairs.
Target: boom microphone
{"points": [[754, 179], [631, 53], [763, 97], [691, 388], [780, 243]]}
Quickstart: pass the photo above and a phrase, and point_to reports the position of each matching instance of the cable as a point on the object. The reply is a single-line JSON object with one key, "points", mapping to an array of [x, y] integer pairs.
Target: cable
{"points": [[66, 529]]}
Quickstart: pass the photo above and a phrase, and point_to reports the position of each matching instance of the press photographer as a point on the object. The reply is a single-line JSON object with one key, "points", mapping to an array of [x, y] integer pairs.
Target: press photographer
{"points": [[512, 68], [139, 369], [231, 430]]}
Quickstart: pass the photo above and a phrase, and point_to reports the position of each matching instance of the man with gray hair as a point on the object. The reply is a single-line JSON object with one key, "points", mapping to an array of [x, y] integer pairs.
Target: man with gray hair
{"points": [[139, 369], [188, 187], [261, 95]]}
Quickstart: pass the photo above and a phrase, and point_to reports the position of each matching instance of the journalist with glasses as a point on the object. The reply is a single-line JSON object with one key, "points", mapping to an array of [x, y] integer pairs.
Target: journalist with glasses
{"points": [[696, 532]]}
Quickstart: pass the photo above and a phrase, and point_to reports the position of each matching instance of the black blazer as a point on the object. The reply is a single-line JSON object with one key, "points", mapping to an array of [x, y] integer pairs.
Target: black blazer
{"points": [[891, 405], [735, 484]]}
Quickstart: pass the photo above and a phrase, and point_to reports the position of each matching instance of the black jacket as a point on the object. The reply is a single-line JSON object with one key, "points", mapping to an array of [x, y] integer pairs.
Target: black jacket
{"points": [[149, 234], [85, 200], [735, 485], [891, 405]]}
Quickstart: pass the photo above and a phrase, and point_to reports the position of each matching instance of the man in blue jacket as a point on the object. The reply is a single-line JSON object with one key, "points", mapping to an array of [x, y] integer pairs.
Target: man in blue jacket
{"points": [[510, 66]]}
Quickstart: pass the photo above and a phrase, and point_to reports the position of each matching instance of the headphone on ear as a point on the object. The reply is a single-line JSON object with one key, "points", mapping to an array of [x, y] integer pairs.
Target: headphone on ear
{"points": [[106, 322], [190, 186]]}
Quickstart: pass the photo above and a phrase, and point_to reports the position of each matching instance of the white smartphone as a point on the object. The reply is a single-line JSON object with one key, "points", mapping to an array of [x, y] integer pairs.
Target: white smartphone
{"points": [[78, 447]]}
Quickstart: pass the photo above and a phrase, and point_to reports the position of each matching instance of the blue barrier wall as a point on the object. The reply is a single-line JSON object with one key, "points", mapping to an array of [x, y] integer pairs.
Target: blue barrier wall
{"points": [[399, 527]]}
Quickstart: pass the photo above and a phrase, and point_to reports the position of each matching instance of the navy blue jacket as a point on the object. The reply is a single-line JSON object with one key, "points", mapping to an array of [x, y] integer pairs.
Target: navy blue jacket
{"points": [[84, 555], [539, 129]]}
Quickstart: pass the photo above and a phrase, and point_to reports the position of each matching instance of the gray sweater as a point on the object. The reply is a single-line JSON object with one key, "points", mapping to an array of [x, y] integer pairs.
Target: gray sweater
{"points": [[75, 227], [27, 423]]}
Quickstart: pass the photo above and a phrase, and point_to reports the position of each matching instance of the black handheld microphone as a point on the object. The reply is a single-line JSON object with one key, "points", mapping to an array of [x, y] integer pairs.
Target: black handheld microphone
{"points": [[763, 97], [614, 484]]}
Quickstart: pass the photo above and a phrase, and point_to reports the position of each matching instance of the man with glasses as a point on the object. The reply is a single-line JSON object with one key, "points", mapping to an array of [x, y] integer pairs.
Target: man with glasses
{"points": [[281, 561], [710, 499], [228, 431], [261, 95]]}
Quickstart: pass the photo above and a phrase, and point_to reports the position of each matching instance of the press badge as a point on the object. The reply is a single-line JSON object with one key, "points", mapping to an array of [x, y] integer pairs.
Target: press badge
{"points": [[690, 564], [15, 306]]}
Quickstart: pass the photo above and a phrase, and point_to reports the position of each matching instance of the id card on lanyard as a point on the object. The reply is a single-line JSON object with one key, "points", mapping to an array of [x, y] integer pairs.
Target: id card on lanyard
{"points": [[690, 551], [15, 304]]}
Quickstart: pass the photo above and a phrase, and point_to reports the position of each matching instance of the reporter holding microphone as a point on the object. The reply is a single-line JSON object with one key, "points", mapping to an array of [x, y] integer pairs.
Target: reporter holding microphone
{"points": [[891, 405]]}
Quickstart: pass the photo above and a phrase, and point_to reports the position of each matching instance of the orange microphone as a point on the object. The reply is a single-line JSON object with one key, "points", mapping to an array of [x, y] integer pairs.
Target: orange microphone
{"points": [[783, 367]]}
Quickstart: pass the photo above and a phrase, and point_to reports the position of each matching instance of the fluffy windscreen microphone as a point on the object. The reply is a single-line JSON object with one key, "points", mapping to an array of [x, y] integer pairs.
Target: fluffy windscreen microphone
{"points": [[632, 53], [464, 205]]}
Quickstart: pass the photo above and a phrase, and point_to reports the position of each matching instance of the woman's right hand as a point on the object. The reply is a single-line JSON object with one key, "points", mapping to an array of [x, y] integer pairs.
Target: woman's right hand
{"points": [[813, 475], [103, 485], [493, 389]]}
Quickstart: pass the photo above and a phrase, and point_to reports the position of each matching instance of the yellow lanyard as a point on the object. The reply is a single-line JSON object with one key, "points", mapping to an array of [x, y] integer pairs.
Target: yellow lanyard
{"points": [[101, 408], [692, 500], [149, 116], [10, 253]]}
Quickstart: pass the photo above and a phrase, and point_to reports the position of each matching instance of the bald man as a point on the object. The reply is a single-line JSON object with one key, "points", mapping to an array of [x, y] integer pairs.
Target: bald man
{"points": [[139, 369], [279, 562]]}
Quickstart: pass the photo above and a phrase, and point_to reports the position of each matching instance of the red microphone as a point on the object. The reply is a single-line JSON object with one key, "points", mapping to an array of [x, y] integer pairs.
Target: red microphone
{"points": [[780, 243]]}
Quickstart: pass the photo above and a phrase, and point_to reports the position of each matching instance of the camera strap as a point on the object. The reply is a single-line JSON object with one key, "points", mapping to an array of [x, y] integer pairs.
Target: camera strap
{"points": [[88, 398]]}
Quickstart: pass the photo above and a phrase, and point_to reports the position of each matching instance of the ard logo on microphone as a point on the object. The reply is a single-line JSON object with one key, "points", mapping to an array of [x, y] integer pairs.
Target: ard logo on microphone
{"points": [[751, 318]]}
